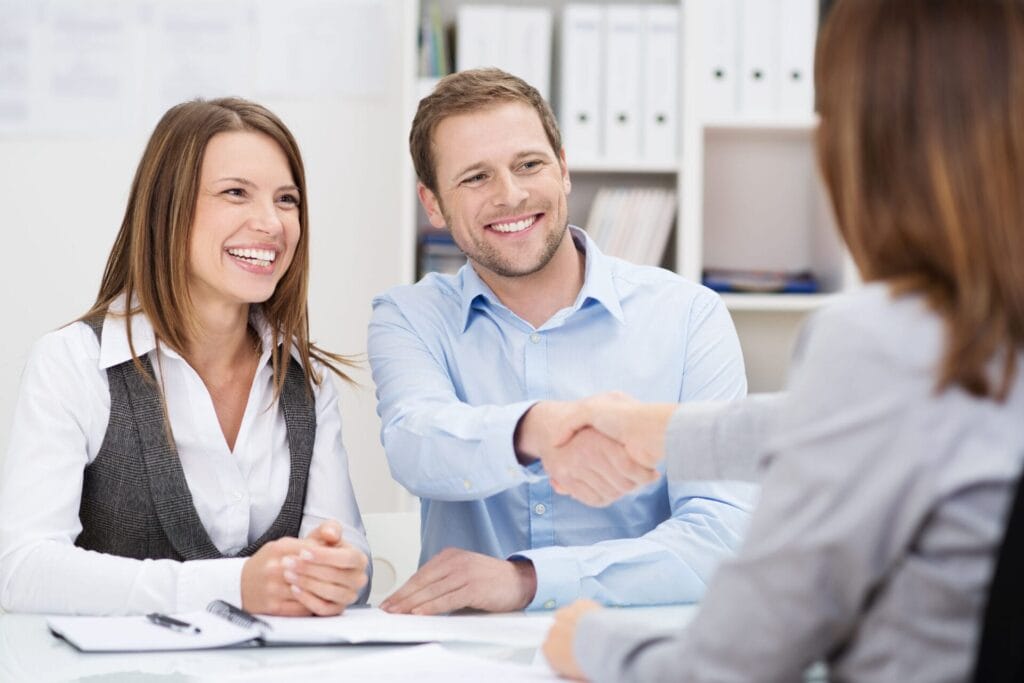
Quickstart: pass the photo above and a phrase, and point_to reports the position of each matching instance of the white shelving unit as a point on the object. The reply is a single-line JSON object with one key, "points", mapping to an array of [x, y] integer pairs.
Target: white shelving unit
{"points": [[749, 198]]}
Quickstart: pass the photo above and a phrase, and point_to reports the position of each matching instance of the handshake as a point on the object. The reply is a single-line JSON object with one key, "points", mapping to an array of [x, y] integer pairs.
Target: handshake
{"points": [[596, 449]]}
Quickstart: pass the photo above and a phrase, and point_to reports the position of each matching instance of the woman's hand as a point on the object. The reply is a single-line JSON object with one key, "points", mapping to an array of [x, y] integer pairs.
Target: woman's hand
{"points": [[320, 574], [558, 645]]}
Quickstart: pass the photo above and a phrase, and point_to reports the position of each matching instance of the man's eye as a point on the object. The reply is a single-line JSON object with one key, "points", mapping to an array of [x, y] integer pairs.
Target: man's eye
{"points": [[532, 164], [479, 177]]}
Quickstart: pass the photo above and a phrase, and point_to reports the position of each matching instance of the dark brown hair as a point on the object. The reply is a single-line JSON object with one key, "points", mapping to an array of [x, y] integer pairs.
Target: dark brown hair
{"points": [[469, 91], [921, 144], [149, 262]]}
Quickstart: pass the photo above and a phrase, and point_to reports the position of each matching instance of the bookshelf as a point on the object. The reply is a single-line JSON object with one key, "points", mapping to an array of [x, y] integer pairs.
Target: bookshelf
{"points": [[748, 197]]}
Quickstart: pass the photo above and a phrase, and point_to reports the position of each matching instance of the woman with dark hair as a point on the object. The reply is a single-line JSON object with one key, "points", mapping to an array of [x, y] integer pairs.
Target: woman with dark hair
{"points": [[180, 442], [895, 454]]}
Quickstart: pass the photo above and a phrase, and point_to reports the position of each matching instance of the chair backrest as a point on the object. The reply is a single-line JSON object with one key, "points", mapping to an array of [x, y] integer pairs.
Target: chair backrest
{"points": [[1001, 645], [394, 539]]}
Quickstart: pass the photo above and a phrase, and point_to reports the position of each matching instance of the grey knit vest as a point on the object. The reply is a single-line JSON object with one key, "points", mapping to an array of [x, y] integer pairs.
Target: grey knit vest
{"points": [[135, 500]]}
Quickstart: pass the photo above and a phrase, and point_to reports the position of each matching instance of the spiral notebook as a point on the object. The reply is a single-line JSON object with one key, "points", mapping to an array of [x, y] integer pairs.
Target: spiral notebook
{"points": [[224, 625]]}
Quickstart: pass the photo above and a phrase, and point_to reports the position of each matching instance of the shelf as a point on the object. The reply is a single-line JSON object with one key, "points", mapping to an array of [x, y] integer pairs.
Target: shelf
{"points": [[796, 123], [785, 303], [635, 167]]}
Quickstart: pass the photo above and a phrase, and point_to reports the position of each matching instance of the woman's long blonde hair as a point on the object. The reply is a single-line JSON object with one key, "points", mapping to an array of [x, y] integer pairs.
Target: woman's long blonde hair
{"points": [[149, 262], [921, 144]]}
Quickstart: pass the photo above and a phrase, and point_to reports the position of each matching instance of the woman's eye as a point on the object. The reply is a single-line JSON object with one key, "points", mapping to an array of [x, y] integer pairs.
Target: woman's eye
{"points": [[289, 199], [234, 192]]}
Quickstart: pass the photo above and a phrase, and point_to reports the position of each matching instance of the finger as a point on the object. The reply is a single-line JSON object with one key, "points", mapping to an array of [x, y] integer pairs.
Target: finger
{"points": [[413, 603], [582, 491], [444, 603], [353, 578], [341, 557], [316, 605], [324, 590], [436, 569], [328, 532]]}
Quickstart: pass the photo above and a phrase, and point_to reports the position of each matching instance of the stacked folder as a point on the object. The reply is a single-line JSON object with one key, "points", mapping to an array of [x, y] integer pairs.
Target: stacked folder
{"points": [[620, 83], [632, 223], [757, 57], [515, 39]]}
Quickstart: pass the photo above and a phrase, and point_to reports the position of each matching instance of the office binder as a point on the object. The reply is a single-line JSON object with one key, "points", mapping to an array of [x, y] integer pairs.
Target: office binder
{"points": [[719, 55], [798, 26], [479, 37], [622, 84], [514, 39], [582, 82], [527, 48], [759, 56], [660, 83]]}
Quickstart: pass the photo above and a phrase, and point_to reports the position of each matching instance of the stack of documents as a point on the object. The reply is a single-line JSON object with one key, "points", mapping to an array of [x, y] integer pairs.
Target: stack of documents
{"points": [[632, 223], [620, 83], [757, 57], [356, 626]]}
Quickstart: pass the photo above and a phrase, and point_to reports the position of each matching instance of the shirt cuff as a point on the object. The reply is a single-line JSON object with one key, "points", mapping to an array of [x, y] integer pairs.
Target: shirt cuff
{"points": [[202, 581], [558, 577], [505, 470]]}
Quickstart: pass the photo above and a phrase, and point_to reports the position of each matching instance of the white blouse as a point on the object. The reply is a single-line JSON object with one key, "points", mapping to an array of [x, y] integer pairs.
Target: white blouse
{"points": [[59, 424]]}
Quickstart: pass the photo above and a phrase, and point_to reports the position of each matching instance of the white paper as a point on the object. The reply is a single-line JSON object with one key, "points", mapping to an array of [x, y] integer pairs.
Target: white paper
{"points": [[369, 624], [316, 48], [200, 48], [16, 24], [89, 54], [424, 664]]}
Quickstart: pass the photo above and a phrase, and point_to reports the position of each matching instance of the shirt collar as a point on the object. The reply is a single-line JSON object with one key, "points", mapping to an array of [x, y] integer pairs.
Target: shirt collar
{"points": [[598, 283], [114, 348]]}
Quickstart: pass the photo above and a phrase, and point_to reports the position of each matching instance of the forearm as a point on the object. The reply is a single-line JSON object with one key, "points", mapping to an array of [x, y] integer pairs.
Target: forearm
{"points": [[55, 577], [455, 451], [721, 440], [672, 563]]}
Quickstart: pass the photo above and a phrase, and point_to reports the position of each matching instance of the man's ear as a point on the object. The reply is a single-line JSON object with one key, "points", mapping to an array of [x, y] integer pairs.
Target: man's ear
{"points": [[431, 205], [566, 181]]}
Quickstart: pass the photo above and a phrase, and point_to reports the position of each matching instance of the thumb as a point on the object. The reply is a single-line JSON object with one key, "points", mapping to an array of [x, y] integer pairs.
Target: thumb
{"points": [[328, 533]]}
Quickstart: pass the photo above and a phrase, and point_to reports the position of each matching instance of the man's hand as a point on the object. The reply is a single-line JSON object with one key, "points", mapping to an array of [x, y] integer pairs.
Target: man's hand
{"points": [[558, 645], [639, 427], [456, 578], [581, 462]]}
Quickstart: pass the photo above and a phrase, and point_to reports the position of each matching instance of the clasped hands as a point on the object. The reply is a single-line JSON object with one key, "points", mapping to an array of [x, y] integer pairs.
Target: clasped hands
{"points": [[319, 575], [596, 449]]}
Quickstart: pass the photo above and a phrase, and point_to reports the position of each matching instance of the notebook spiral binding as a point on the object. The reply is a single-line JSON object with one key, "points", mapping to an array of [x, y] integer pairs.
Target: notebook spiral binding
{"points": [[235, 615]]}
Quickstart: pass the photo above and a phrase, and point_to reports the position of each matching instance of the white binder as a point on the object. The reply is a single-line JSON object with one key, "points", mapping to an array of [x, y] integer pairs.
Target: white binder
{"points": [[582, 82], [719, 55], [759, 57], [660, 82], [798, 27], [514, 39], [527, 48], [622, 85], [479, 36]]}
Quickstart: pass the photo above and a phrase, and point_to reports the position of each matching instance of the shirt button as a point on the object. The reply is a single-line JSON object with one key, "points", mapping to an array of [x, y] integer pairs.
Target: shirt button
{"points": [[467, 484], [550, 604], [539, 508], [535, 338]]}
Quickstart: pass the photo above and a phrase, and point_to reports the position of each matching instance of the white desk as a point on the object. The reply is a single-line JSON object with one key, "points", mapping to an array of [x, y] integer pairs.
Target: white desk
{"points": [[28, 652]]}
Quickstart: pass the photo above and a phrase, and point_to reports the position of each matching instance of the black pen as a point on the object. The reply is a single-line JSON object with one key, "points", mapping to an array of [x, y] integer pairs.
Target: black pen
{"points": [[172, 623]]}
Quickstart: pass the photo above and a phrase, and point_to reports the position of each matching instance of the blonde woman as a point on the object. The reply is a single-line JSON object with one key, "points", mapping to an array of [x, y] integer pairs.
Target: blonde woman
{"points": [[181, 442]]}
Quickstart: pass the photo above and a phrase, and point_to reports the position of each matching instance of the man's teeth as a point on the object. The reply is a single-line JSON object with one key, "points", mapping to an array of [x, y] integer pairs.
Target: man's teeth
{"points": [[260, 257], [514, 227]]}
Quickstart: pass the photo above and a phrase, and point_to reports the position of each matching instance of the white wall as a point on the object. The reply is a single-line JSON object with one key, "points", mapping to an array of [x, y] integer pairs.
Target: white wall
{"points": [[63, 198]]}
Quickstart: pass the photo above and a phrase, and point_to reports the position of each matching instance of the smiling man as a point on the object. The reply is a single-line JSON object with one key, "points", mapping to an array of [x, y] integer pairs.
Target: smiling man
{"points": [[476, 371]]}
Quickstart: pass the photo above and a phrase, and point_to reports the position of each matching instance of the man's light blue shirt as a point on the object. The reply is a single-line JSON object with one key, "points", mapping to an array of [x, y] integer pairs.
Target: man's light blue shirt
{"points": [[455, 371]]}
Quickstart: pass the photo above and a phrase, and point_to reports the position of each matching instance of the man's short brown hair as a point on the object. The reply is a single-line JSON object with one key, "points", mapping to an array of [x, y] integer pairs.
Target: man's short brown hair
{"points": [[469, 91]]}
